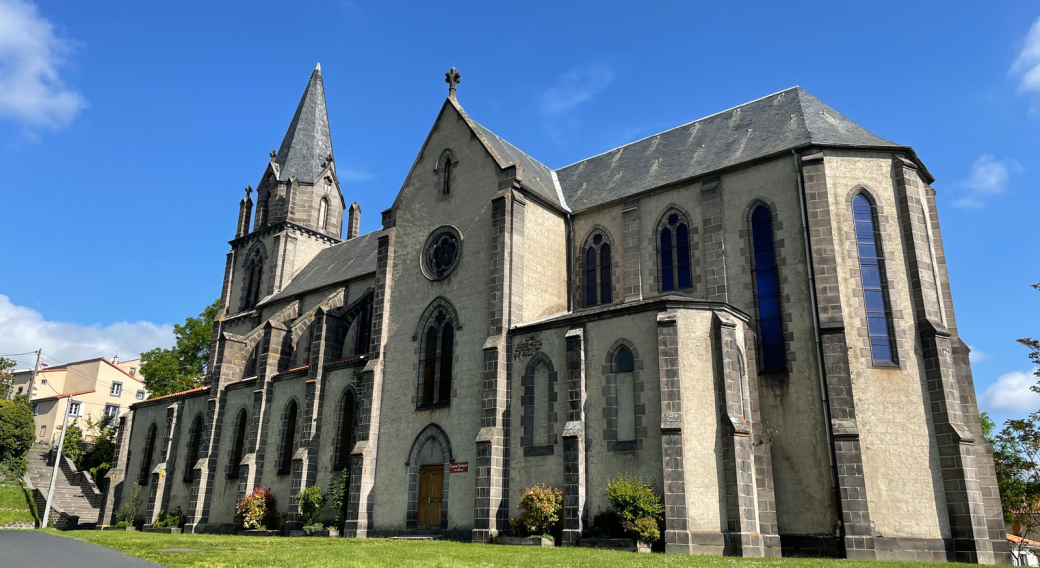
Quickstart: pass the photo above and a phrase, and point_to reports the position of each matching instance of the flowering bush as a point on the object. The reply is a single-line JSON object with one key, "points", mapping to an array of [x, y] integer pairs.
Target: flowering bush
{"points": [[258, 510], [539, 512]]}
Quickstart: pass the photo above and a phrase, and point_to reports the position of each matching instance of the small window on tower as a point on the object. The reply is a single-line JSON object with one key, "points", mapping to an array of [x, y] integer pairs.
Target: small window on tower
{"points": [[323, 213], [447, 176]]}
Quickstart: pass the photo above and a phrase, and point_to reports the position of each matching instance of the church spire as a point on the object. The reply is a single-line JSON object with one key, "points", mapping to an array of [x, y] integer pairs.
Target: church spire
{"points": [[307, 145]]}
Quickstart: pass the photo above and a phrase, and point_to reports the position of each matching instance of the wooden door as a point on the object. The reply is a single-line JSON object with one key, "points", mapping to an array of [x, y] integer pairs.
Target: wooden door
{"points": [[431, 495]]}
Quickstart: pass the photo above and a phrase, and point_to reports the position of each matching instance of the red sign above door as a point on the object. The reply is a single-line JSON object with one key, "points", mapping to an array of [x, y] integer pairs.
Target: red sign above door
{"points": [[460, 467]]}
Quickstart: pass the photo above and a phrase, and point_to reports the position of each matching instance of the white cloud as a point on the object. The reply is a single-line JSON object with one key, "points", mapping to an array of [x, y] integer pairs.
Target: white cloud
{"points": [[575, 87], [989, 177], [1027, 64], [977, 355], [24, 329], [31, 91], [1010, 394]]}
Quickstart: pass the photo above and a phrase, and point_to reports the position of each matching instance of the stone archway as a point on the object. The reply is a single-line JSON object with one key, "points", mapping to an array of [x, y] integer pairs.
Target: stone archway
{"points": [[428, 464]]}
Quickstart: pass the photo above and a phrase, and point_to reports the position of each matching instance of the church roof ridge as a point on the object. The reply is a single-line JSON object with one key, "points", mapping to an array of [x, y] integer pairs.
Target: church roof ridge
{"points": [[308, 140]]}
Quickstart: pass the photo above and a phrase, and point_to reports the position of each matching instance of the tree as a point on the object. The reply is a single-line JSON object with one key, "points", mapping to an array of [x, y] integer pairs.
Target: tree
{"points": [[16, 436], [183, 366], [6, 366], [99, 458]]}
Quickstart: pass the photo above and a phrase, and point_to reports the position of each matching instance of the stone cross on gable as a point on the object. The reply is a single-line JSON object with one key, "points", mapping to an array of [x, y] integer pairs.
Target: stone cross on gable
{"points": [[249, 190], [273, 154], [452, 78]]}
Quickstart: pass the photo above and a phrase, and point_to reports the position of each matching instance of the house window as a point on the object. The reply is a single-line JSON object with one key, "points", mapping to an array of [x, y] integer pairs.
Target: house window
{"points": [[133, 371], [288, 439], [323, 213], [674, 252], [140, 395], [75, 409], [117, 389], [597, 272], [19, 391], [36, 409], [112, 411], [767, 290], [875, 289]]}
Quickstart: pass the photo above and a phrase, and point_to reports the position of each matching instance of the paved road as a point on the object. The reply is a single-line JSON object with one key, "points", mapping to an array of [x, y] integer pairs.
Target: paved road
{"points": [[39, 550]]}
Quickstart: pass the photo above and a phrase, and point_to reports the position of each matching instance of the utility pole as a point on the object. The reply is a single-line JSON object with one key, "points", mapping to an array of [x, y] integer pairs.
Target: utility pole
{"points": [[57, 464], [36, 369]]}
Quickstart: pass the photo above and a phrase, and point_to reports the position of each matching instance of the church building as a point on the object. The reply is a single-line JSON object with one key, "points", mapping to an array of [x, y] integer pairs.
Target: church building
{"points": [[751, 310]]}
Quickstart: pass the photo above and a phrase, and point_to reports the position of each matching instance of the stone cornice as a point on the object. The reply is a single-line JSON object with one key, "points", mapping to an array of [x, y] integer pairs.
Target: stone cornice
{"points": [[279, 226]]}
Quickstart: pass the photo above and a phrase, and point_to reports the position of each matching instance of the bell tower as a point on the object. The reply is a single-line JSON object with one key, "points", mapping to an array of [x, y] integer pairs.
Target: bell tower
{"points": [[299, 208]]}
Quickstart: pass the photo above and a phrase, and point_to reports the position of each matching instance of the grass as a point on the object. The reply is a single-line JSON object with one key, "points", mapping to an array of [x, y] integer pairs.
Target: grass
{"points": [[15, 496], [241, 551]]}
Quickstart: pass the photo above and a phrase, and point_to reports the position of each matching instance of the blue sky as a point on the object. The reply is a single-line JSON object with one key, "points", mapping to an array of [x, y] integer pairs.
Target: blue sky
{"points": [[128, 130]]}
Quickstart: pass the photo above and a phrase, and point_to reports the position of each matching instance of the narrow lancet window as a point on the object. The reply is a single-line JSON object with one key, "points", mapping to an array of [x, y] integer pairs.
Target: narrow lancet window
{"points": [[323, 214], [624, 368], [288, 439], [872, 271], [597, 272], [767, 291]]}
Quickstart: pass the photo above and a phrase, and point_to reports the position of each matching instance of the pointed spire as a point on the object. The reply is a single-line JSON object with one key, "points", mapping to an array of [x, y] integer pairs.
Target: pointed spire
{"points": [[308, 142]]}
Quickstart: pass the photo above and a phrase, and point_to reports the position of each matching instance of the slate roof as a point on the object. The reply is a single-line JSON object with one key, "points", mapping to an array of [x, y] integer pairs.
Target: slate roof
{"points": [[338, 263], [534, 174], [308, 141], [776, 123]]}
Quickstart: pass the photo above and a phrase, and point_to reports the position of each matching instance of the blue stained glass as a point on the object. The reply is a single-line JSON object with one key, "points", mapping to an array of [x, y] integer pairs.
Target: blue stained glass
{"points": [[766, 285], [590, 277], [682, 251], [871, 267], [874, 300], [667, 271], [771, 329]]}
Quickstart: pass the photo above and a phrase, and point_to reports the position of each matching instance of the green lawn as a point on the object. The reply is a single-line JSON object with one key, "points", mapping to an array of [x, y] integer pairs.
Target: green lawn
{"points": [[225, 551], [14, 496]]}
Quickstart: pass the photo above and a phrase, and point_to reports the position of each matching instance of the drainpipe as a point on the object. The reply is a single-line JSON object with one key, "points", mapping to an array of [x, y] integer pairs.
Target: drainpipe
{"points": [[839, 526]]}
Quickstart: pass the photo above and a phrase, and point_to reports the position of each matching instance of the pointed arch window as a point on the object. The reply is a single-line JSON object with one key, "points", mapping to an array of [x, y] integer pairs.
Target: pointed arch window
{"points": [[346, 430], [145, 477], [254, 279], [447, 176], [238, 449], [323, 214], [624, 374], [288, 438], [597, 272], [875, 283], [194, 448], [767, 291], [674, 251], [438, 361]]}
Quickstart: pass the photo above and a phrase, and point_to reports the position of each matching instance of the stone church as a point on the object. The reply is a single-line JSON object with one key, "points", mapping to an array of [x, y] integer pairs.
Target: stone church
{"points": [[751, 310]]}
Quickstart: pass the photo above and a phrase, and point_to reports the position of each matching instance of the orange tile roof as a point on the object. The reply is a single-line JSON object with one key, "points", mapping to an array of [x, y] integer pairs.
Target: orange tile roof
{"points": [[60, 396], [1019, 540], [114, 366], [171, 395]]}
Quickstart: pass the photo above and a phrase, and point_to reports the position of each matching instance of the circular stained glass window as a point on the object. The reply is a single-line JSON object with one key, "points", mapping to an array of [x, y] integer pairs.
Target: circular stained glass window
{"points": [[441, 253]]}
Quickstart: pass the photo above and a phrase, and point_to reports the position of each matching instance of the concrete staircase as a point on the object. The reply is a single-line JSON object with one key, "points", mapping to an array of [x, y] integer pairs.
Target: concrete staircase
{"points": [[77, 500]]}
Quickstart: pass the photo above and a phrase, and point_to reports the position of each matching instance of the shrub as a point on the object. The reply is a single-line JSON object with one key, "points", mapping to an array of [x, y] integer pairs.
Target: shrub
{"points": [[17, 430], [258, 510], [169, 520], [13, 468], [311, 530], [643, 529], [338, 496], [312, 502], [539, 512], [637, 507], [123, 524], [128, 512]]}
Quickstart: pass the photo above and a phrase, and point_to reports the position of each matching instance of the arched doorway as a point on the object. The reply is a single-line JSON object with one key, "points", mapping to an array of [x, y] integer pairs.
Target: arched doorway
{"points": [[428, 464]]}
